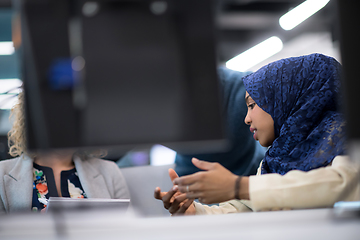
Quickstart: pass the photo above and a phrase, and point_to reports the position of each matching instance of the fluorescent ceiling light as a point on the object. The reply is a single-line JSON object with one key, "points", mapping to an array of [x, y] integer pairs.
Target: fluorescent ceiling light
{"points": [[10, 86], [6, 48], [7, 101], [255, 55], [300, 13]]}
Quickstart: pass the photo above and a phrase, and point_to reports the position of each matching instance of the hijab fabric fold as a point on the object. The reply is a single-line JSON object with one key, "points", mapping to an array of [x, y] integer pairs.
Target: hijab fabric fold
{"points": [[302, 96]]}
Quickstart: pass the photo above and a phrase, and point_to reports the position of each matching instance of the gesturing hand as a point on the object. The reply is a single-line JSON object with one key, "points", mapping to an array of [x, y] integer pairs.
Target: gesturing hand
{"points": [[176, 202], [215, 184]]}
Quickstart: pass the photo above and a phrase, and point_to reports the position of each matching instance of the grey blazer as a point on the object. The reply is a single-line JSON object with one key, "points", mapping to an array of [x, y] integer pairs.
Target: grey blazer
{"points": [[99, 179]]}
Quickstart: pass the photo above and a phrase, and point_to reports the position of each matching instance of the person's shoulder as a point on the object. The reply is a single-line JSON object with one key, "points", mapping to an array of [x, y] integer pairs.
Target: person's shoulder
{"points": [[344, 160], [232, 86], [102, 163], [229, 76], [107, 168], [9, 162]]}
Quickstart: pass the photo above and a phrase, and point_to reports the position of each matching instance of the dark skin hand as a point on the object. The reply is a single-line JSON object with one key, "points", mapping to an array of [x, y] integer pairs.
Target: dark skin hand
{"points": [[174, 201]]}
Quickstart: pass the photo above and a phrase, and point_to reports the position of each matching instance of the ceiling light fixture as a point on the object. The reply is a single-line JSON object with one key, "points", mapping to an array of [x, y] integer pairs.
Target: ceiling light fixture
{"points": [[255, 55], [6, 48], [300, 13], [10, 86]]}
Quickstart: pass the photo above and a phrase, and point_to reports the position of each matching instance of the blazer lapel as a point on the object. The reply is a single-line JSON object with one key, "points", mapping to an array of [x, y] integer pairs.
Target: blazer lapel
{"points": [[91, 179], [18, 185]]}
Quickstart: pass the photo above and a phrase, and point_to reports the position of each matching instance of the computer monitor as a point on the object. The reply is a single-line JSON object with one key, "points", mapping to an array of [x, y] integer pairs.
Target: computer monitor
{"points": [[350, 50], [120, 73]]}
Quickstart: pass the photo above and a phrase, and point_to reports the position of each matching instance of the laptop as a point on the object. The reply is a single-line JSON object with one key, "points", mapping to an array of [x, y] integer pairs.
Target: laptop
{"points": [[80, 204]]}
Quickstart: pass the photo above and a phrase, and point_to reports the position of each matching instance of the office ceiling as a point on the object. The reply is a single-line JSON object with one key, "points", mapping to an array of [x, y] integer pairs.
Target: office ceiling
{"points": [[245, 23]]}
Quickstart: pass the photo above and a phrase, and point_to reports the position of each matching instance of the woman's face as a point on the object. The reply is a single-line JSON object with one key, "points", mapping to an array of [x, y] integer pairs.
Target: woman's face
{"points": [[261, 123]]}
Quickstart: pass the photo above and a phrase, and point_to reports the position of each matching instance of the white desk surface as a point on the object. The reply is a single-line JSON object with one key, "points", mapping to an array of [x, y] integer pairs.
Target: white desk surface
{"points": [[299, 224]]}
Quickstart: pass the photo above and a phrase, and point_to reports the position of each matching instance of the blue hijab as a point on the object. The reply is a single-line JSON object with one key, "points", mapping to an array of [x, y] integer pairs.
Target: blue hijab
{"points": [[301, 95]]}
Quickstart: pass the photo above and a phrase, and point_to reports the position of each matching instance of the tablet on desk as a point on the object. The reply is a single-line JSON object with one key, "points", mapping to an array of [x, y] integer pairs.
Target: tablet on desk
{"points": [[74, 204]]}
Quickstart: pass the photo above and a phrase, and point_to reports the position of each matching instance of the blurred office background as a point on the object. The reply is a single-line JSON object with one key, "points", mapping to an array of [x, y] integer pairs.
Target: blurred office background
{"points": [[243, 27]]}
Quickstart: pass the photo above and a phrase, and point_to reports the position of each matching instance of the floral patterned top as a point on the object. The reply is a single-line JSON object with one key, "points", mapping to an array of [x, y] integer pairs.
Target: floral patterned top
{"points": [[44, 185]]}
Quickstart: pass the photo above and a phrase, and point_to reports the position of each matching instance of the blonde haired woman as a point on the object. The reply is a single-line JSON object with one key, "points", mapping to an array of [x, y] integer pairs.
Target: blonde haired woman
{"points": [[30, 178]]}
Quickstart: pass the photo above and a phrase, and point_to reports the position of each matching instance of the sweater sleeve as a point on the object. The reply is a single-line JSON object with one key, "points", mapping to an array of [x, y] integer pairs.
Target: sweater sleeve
{"points": [[320, 187], [317, 188], [232, 206]]}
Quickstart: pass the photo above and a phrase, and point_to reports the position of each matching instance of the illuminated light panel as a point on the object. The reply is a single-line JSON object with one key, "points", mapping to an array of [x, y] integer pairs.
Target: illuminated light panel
{"points": [[255, 55], [9, 88], [300, 13], [11, 85], [6, 48], [7, 101]]}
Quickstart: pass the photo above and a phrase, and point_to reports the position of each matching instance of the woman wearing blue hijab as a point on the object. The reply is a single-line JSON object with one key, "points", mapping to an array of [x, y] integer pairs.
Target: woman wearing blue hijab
{"points": [[293, 110], [300, 94]]}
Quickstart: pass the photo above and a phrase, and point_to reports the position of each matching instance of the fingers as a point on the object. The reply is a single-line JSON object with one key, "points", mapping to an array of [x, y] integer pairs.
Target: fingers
{"points": [[192, 178], [186, 188], [203, 164], [167, 197], [183, 207], [188, 180], [174, 201], [158, 194], [178, 200], [194, 195], [186, 205], [196, 190], [173, 175]]}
